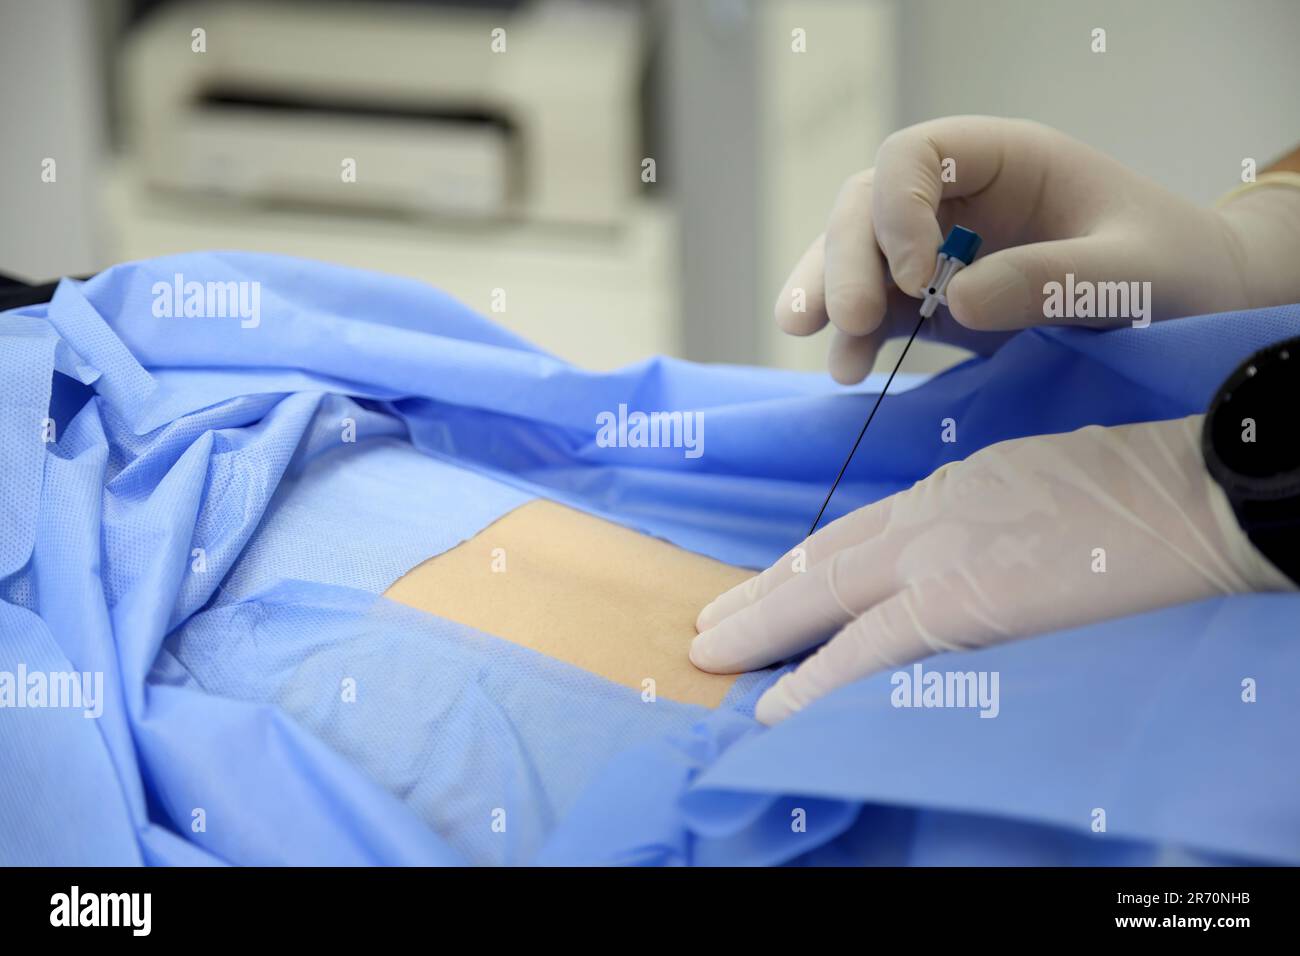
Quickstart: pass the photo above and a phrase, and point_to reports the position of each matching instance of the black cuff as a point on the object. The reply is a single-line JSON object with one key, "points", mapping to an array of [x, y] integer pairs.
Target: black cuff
{"points": [[1251, 443]]}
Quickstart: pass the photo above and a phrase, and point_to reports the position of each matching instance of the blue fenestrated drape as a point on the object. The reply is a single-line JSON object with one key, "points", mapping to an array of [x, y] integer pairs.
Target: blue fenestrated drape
{"points": [[195, 529]]}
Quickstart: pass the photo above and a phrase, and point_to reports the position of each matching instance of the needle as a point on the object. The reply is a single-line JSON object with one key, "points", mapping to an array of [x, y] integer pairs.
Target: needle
{"points": [[957, 252]]}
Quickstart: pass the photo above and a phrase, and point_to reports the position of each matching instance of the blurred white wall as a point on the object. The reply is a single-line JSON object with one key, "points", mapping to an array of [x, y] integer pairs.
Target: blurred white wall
{"points": [[1185, 90], [49, 108], [822, 115]]}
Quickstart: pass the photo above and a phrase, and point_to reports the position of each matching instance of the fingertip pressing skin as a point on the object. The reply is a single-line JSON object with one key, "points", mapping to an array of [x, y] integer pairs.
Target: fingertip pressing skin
{"points": [[834, 536], [710, 652], [799, 611], [699, 656], [710, 615], [721, 650]]}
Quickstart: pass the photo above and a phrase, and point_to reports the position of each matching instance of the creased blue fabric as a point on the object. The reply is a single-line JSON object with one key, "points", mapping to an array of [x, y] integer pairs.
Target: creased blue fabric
{"points": [[198, 529]]}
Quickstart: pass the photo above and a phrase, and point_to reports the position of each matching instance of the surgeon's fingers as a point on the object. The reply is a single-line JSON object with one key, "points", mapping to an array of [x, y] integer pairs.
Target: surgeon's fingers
{"points": [[851, 357], [948, 611], [852, 529], [885, 636], [801, 306], [800, 613], [856, 280], [908, 186], [1012, 289]]}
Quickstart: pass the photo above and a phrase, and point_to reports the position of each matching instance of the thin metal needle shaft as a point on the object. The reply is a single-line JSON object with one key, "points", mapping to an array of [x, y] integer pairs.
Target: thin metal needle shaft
{"points": [[902, 355]]}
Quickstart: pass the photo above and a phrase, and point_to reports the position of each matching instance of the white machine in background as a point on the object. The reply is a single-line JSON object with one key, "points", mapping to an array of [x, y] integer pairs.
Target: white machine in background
{"points": [[531, 113], [475, 170]]}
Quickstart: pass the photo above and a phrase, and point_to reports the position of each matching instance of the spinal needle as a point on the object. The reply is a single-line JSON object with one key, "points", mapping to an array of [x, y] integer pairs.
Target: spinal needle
{"points": [[957, 252]]}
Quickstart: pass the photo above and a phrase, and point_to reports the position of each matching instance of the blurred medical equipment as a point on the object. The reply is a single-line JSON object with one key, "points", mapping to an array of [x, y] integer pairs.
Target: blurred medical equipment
{"points": [[526, 112], [492, 150]]}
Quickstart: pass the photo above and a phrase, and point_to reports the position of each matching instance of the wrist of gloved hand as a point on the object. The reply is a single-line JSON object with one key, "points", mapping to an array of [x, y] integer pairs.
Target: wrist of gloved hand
{"points": [[1263, 225]]}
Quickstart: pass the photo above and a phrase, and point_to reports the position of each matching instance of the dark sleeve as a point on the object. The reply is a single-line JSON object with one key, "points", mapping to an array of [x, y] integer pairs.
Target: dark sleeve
{"points": [[1251, 443]]}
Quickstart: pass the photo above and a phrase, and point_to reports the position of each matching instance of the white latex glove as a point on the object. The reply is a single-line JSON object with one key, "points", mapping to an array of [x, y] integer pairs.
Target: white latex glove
{"points": [[993, 548], [1045, 205]]}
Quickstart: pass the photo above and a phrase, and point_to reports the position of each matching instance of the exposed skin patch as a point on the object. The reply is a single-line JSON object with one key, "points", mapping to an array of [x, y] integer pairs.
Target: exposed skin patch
{"points": [[584, 590]]}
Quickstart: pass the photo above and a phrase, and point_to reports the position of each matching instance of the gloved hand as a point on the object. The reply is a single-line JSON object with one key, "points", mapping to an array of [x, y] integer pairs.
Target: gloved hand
{"points": [[999, 546], [1045, 205]]}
